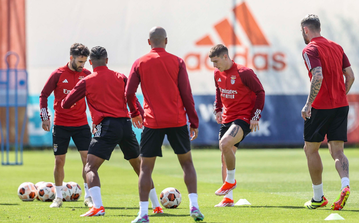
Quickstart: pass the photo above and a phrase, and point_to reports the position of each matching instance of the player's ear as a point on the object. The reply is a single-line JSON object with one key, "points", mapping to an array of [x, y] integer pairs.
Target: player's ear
{"points": [[71, 57], [166, 40], [149, 42], [91, 62], [106, 60]]}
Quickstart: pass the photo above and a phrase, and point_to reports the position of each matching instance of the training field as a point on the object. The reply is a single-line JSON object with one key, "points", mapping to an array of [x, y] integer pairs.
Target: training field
{"points": [[275, 181]]}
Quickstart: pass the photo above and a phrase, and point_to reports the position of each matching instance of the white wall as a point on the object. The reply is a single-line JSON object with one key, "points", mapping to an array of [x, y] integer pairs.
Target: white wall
{"points": [[122, 27]]}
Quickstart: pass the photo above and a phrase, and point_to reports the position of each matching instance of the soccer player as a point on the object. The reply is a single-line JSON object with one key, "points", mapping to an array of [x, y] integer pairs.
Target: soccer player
{"points": [[67, 123], [105, 93], [238, 106], [326, 109], [167, 100]]}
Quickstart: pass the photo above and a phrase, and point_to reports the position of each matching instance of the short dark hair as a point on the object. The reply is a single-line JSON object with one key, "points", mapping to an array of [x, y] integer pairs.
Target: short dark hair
{"points": [[78, 49], [311, 21], [218, 51], [98, 53]]}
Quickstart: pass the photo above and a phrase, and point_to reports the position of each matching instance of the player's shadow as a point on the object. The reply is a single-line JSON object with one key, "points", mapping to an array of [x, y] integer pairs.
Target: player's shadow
{"points": [[8, 204]]}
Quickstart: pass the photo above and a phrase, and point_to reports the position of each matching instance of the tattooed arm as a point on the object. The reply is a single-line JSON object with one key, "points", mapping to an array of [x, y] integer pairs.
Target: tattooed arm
{"points": [[349, 78], [316, 83]]}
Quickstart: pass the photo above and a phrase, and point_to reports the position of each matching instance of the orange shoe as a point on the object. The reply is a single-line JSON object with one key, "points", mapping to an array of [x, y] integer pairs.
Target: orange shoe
{"points": [[226, 188], [158, 210], [226, 202], [94, 212], [341, 199]]}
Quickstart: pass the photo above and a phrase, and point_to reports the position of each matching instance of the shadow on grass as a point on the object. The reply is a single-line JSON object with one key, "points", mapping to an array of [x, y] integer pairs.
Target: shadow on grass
{"points": [[7, 204]]}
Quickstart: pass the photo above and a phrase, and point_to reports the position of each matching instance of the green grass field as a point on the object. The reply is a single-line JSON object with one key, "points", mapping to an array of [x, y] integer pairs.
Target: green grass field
{"points": [[275, 181]]}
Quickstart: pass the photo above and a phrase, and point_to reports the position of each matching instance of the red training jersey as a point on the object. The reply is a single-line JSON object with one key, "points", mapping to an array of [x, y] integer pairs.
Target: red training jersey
{"points": [[105, 94], [61, 82], [239, 93], [166, 90], [328, 55]]}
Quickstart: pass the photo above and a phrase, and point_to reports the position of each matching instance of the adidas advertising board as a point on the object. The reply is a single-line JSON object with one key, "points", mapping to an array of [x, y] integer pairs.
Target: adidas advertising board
{"points": [[263, 35]]}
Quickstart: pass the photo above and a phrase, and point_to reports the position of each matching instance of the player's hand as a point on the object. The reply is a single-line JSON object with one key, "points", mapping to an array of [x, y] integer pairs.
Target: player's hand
{"points": [[94, 130], [193, 133], [219, 117], [254, 125], [46, 125], [137, 122], [307, 111]]}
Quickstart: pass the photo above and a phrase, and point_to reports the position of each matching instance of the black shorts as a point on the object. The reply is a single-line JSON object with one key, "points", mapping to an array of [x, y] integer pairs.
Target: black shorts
{"points": [[244, 126], [61, 136], [113, 131], [330, 122], [152, 140]]}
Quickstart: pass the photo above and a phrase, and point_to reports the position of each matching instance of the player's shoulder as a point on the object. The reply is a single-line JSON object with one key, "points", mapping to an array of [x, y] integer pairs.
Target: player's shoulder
{"points": [[86, 72], [58, 71], [244, 70], [310, 48]]}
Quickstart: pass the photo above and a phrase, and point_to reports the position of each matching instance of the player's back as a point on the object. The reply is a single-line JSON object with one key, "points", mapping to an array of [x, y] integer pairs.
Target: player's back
{"points": [[105, 94], [163, 104]]}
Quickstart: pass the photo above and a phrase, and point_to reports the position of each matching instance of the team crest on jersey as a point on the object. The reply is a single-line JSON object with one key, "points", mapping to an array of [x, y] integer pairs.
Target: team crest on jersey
{"points": [[219, 80], [233, 79], [80, 77], [55, 148]]}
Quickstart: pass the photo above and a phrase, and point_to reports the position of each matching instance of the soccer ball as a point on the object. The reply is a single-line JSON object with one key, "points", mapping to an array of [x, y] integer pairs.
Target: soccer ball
{"points": [[170, 197], [46, 191], [76, 191], [37, 186], [27, 191], [66, 191]]}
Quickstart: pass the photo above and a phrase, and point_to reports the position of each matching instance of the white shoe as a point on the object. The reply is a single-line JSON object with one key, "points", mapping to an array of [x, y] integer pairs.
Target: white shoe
{"points": [[88, 202], [56, 203]]}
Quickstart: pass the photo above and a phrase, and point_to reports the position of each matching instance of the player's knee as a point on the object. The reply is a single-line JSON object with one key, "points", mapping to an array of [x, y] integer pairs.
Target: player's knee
{"points": [[225, 145], [59, 162]]}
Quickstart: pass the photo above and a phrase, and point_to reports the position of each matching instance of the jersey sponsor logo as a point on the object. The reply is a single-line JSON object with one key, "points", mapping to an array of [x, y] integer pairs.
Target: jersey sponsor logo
{"points": [[219, 80], [228, 93], [65, 91], [264, 58], [65, 81], [233, 79]]}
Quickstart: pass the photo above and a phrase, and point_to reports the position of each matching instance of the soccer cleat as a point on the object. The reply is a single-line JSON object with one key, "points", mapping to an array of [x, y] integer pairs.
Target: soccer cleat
{"points": [[226, 188], [56, 203], [158, 210], [196, 214], [226, 202], [88, 202], [339, 203], [140, 219], [94, 212], [312, 204]]}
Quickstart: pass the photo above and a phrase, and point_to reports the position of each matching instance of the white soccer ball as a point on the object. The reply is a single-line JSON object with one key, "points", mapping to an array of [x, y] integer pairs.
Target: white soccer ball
{"points": [[66, 191], [27, 191], [76, 191], [46, 191], [37, 186], [170, 197]]}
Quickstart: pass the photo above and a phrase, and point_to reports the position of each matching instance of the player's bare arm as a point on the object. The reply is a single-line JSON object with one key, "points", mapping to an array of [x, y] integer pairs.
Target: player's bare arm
{"points": [[349, 78], [316, 83]]}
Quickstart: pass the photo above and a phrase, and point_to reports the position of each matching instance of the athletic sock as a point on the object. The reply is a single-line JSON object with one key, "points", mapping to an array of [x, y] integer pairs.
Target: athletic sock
{"points": [[193, 200], [96, 196], [87, 192], [143, 208], [318, 192], [58, 192], [345, 182], [230, 176], [153, 198], [229, 195]]}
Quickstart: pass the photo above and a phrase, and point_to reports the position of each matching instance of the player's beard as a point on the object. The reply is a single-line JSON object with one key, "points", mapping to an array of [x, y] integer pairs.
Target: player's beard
{"points": [[75, 67]]}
